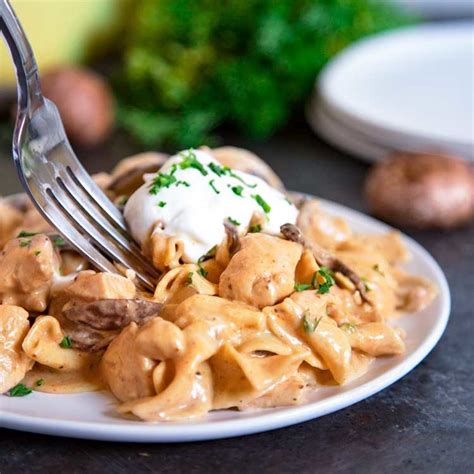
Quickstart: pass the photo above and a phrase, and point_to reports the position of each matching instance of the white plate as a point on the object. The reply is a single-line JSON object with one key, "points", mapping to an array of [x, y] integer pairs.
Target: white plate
{"points": [[437, 8], [342, 137], [92, 415], [407, 89]]}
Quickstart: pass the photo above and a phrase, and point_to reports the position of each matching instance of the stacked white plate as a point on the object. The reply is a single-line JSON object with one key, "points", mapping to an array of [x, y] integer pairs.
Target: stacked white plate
{"points": [[411, 89]]}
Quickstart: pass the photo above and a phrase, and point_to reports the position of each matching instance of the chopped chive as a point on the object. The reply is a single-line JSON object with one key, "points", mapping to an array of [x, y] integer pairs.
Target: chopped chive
{"points": [[66, 342], [237, 190], [302, 287], [189, 280], [38, 252], [254, 228], [191, 161], [323, 288], [218, 170], [211, 253], [366, 284], [19, 390], [202, 271], [261, 202], [39, 382], [211, 184], [58, 241], [183, 183], [123, 200], [162, 204], [25, 233], [309, 326], [161, 180], [25, 243], [376, 267], [348, 327], [233, 221], [231, 173]]}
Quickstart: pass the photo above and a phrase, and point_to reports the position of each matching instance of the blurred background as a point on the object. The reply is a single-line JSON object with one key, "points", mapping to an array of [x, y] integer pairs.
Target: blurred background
{"points": [[370, 77]]}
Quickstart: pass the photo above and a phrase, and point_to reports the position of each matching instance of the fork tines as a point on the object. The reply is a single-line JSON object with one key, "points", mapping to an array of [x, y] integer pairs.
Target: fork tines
{"points": [[86, 218]]}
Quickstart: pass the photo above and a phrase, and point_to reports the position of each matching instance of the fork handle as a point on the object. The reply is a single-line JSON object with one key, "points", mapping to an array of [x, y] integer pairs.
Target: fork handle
{"points": [[28, 85]]}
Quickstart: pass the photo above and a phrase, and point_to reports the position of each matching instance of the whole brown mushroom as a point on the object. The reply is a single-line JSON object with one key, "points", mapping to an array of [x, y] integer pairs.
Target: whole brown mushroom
{"points": [[421, 191], [85, 103]]}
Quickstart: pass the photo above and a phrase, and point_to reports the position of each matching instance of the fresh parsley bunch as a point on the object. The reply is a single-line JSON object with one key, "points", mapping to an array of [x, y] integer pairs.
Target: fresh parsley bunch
{"points": [[189, 66]]}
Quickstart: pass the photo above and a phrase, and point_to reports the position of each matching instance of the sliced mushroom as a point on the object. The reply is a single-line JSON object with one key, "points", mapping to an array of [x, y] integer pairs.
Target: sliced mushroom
{"points": [[110, 314], [323, 257], [90, 342], [128, 174], [233, 240]]}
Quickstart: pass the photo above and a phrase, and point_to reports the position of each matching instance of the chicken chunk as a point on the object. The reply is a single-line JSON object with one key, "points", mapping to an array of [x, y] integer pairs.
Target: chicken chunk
{"points": [[14, 363], [27, 267], [92, 286], [87, 287], [10, 219], [262, 272]]}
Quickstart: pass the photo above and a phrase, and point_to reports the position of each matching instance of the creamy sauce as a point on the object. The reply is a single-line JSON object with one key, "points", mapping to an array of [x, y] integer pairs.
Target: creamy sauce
{"points": [[195, 206]]}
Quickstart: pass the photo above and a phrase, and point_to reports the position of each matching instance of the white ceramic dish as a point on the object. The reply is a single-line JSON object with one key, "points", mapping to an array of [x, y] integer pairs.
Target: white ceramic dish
{"points": [[410, 89], [92, 415], [348, 140]]}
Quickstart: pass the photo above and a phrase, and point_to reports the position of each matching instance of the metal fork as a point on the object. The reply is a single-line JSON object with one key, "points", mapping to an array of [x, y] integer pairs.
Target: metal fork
{"points": [[51, 174]]}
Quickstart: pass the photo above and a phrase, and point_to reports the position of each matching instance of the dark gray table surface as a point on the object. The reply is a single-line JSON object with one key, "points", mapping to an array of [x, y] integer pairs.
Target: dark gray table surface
{"points": [[423, 423]]}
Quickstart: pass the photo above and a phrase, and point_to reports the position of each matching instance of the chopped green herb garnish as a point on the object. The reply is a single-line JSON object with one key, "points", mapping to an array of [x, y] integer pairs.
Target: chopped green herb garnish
{"points": [[202, 271], [58, 241], [66, 342], [260, 201], [231, 173], [237, 190], [219, 170], [189, 280], [309, 326], [162, 204], [191, 161], [348, 327], [323, 288], [211, 184], [376, 267], [39, 382], [182, 183], [302, 286], [25, 243], [161, 180], [366, 284], [211, 253], [19, 390], [233, 221], [38, 252], [254, 228], [25, 233], [123, 200]]}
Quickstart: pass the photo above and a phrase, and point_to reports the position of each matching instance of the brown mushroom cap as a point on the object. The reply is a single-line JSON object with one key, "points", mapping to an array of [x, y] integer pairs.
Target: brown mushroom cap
{"points": [[84, 101], [421, 191]]}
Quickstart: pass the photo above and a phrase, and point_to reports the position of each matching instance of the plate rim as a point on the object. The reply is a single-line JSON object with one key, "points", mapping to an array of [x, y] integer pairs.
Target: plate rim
{"points": [[343, 138], [262, 420]]}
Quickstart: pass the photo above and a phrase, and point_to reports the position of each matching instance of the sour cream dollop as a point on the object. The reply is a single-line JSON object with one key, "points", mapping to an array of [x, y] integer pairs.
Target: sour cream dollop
{"points": [[193, 195]]}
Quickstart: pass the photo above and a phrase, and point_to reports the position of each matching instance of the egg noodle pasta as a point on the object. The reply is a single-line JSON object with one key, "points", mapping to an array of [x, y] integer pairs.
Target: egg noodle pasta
{"points": [[243, 316]]}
